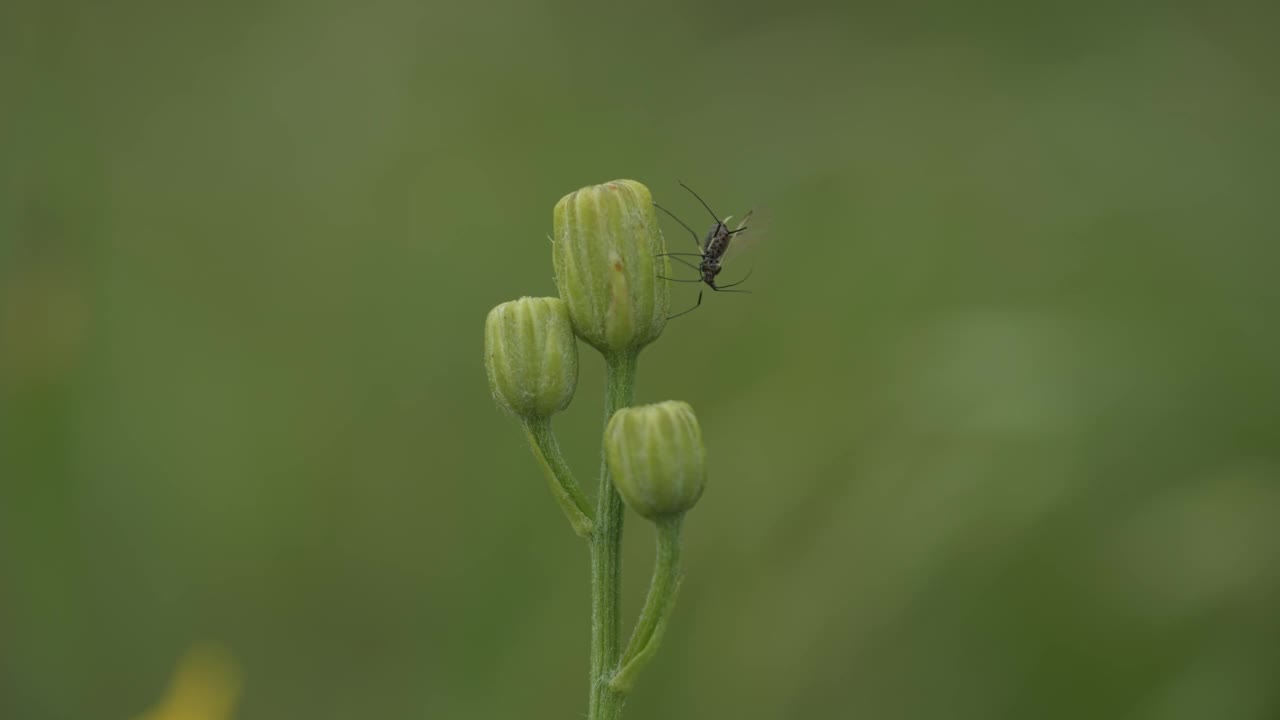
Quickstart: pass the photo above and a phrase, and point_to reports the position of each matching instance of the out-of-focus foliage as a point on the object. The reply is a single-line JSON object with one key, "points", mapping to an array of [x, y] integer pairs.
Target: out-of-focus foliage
{"points": [[205, 687], [994, 437]]}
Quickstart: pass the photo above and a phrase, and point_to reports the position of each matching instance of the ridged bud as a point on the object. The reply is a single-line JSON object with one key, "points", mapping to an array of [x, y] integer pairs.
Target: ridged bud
{"points": [[606, 251], [656, 457], [531, 356]]}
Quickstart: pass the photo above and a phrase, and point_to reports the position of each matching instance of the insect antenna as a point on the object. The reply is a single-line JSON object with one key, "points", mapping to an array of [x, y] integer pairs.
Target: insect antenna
{"points": [[686, 227], [714, 216]]}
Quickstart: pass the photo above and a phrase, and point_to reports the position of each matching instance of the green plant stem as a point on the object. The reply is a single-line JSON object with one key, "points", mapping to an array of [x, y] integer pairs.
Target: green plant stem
{"points": [[559, 478], [606, 555], [663, 588]]}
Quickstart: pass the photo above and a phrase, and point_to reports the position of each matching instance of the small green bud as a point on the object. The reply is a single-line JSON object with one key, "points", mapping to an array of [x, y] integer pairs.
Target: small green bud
{"points": [[656, 457], [531, 356], [606, 252]]}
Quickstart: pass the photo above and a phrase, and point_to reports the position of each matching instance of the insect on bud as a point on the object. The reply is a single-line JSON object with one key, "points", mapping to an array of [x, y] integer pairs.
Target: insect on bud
{"points": [[656, 457], [531, 356], [606, 251]]}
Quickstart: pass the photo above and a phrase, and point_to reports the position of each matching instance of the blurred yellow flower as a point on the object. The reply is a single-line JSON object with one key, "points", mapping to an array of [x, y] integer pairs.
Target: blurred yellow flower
{"points": [[205, 686]]}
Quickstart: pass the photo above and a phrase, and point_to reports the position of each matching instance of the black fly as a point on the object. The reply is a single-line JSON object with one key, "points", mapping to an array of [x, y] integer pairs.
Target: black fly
{"points": [[711, 251]]}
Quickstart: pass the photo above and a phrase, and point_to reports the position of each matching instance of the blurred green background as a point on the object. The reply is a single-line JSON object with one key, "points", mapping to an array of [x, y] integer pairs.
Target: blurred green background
{"points": [[996, 436]]}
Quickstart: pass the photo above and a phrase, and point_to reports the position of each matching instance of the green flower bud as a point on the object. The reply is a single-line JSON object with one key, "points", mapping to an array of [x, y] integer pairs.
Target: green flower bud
{"points": [[656, 457], [606, 251], [531, 356]]}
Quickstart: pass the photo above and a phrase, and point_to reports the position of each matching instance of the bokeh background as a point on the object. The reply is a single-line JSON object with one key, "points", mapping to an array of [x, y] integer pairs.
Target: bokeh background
{"points": [[996, 436]]}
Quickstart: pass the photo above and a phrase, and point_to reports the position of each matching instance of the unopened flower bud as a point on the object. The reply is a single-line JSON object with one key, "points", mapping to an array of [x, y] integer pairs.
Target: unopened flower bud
{"points": [[607, 251], [656, 457], [531, 356]]}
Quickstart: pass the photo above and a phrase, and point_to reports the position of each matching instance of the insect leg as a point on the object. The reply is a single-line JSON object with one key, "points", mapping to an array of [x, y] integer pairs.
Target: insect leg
{"points": [[686, 262], [664, 277], [695, 307], [748, 277]]}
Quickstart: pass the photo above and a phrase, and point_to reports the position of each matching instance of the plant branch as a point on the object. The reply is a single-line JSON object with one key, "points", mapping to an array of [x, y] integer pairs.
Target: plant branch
{"points": [[565, 489], [663, 588]]}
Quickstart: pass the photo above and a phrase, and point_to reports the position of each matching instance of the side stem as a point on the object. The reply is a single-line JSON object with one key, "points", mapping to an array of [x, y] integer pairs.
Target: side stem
{"points": [[563, 487], [663, 588], [606, 555]]}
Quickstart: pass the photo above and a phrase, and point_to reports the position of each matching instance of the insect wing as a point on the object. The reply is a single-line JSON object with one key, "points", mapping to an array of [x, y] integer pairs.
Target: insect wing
{"points": [[748, 233]]}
